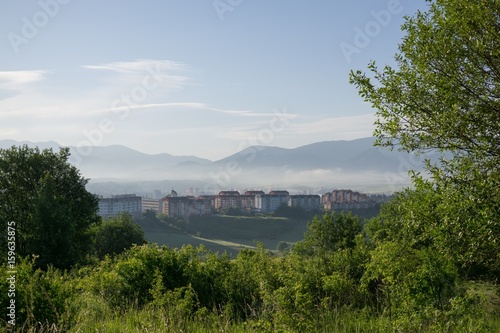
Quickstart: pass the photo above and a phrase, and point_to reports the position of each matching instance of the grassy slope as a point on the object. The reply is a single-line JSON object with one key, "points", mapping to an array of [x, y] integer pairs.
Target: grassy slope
{"points": [[230, 234]]}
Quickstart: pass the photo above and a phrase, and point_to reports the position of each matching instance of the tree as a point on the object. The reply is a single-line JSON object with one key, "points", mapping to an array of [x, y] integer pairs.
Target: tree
{"points": [[116, 235], [330, 233], [445, 95], [445, 92], [45, 197]]}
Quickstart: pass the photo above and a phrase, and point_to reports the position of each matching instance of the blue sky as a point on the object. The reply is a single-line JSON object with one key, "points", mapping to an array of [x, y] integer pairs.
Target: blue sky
{"points": [[184, 77]]}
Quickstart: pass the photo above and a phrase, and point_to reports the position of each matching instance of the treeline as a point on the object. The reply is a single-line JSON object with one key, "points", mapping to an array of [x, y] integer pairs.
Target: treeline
{"points": [[341, 277]]}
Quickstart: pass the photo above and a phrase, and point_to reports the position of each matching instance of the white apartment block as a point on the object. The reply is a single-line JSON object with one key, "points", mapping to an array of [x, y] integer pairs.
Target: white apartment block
{"points": [[267, 203], [117, 204]]}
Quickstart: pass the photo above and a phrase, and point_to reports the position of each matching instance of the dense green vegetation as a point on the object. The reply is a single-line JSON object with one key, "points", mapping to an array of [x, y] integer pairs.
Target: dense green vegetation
{"points": [[429, 262], [347, 279], [445, 95], [114, 235], [45, 197]]}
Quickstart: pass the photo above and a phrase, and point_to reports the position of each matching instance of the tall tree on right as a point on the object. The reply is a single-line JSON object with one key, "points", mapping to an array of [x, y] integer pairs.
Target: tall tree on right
{"points": [[444, 95]]}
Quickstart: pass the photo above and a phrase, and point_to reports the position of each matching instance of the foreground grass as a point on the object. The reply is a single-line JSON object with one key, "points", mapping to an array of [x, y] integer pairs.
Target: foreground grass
{"points": [[154, 319], [91, 313]]}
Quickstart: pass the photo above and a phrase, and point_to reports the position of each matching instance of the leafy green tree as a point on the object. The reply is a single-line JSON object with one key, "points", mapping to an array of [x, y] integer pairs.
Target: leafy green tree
{"points": [[45, 197], [116, 235], [406, 280], [51, 225], [445, 95], [329, 233]]}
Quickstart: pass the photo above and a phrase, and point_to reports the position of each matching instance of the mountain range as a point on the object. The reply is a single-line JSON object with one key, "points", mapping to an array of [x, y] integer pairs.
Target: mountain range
{"points": [[354, 164]]}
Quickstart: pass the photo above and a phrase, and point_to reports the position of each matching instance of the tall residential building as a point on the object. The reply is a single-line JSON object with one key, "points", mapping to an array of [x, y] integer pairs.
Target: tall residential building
{"points": [[345, 199], [175, 206], [117, 204], [186, 206], [151, 204], [248, 200], [267, 203], [227, 199], [309, 203]]}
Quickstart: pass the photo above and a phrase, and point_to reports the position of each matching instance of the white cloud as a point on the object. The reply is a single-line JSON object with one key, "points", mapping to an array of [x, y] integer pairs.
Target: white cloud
{"points": [[161, 77], [140, 65], [16, 79], [193, 106]]}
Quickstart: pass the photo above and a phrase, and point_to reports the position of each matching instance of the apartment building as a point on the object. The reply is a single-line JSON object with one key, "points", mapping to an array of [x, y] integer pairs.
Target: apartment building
{"points": [[186, 206], [151, 204], [345, 199], [227, 199], [267, 203], [248, 200], [117, 204], [309, 203]]}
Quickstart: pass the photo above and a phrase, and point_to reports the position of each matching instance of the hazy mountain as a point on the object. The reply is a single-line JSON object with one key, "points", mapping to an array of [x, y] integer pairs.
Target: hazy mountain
{"points": [[354, 164], [4, 144], [321, 155], [116, 162]]}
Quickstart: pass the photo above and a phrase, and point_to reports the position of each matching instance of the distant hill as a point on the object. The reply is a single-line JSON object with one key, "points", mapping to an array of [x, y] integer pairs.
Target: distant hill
{"points": [[353, 164], [117, 162], [321, 155]]}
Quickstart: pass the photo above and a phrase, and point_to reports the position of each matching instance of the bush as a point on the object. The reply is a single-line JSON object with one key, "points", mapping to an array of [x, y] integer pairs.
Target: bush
{"points": [[404, 280], [116, 235], [40, 296]]}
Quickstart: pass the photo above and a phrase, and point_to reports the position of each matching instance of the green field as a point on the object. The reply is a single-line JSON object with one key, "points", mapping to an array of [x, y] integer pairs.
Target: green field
{"points": [[230, 234]]}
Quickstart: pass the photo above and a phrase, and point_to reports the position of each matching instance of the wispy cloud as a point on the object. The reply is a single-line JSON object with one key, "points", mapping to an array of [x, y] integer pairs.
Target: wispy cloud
{"points": [[170, 75], [140, 65], [248, 113], [15, 79], [193, 106]]}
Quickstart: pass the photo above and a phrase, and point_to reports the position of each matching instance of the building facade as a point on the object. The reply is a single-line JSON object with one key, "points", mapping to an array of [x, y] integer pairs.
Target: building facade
{"points": [[118, 204], [248, 200], [309, 203], [151, 204], [186, 206], [267, 203], [345, 199], [227, 199]]}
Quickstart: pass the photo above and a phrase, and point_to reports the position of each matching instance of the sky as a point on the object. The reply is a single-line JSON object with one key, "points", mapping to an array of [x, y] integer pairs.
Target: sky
{"points": [[206, 78]]}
